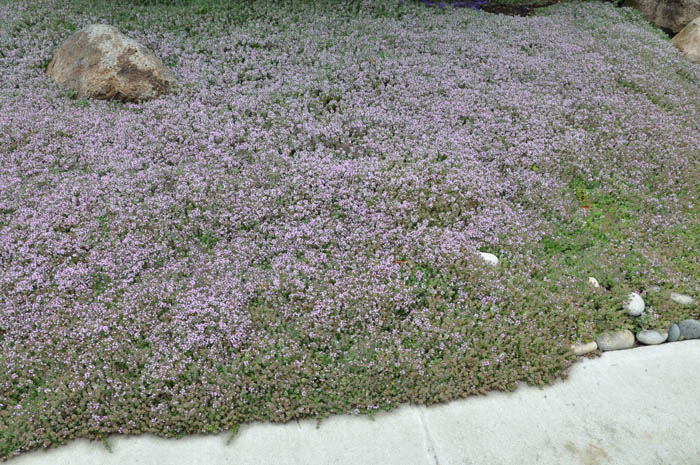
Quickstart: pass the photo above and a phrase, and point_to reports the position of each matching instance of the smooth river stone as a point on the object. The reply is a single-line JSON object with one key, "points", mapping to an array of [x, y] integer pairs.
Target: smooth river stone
{"points": [[615, 340], [674, 333], [489, 258], [634, 305], [682, 299], [651, 337], [582, 349], [690, 329]]}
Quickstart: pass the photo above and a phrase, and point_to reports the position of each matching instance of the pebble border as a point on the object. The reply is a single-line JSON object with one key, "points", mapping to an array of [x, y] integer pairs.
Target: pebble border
{"points": [[634, 306]]}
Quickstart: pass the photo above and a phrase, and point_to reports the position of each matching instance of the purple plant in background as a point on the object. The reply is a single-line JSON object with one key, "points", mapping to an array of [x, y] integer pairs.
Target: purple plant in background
{"points": [[294, 230]]}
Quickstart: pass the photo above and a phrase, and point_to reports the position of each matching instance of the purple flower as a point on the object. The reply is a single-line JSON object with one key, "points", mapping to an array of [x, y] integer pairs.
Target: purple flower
{"points": [[303, 214]]}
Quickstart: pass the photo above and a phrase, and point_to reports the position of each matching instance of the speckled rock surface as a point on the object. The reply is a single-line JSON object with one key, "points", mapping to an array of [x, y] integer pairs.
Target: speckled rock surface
{"points": [[100, 62], [688, 41], [669, 14]]}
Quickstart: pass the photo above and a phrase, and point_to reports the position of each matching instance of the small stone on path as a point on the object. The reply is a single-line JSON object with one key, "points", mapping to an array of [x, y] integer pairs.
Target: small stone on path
{"points": [[489, 258], [674, 333], [682, 299], [582, 349], [690, 329], [615, 340], [634, 305], [651, 337]]}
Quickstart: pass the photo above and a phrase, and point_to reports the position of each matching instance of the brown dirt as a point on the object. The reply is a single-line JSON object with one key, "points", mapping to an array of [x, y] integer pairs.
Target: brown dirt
{"points": [[515, 10]]}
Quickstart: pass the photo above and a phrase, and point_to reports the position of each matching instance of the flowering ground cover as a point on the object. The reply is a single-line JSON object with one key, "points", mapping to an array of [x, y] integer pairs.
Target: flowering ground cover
{"points": [[294, 231]]}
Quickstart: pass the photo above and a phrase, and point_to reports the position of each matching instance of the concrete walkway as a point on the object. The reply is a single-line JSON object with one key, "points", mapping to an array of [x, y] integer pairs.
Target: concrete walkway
{"points": [[639, 406]]}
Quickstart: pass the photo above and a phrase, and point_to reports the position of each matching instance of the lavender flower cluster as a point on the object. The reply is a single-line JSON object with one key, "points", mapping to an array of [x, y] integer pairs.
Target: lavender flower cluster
{"points": [[294, 231]]}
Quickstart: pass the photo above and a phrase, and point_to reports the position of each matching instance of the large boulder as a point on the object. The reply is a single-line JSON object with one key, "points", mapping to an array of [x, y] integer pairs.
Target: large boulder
{"points": [[667, 14], [100, 62], [688, 41]]}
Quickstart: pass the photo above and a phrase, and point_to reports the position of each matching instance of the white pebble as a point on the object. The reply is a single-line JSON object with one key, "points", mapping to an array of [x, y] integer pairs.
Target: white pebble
{"points": [[634, 305], [682, 299], [489, 258], [593, 282]]}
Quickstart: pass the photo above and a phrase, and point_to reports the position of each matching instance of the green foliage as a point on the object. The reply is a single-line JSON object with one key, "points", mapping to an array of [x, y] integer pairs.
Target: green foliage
{"points": [[234, 431], [444, 325]]}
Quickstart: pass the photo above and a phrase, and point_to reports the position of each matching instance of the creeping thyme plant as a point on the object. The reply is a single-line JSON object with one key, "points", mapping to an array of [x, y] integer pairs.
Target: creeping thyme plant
{"points": [[294, 231]]}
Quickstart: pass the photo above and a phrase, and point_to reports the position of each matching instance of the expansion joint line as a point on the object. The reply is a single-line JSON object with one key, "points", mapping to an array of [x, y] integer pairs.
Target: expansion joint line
{"points": [[432, 452]]}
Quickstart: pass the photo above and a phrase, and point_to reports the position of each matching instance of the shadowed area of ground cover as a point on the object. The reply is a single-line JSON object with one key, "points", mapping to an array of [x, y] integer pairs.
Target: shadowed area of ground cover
{"points": [[630, 406], [293, 232]]}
